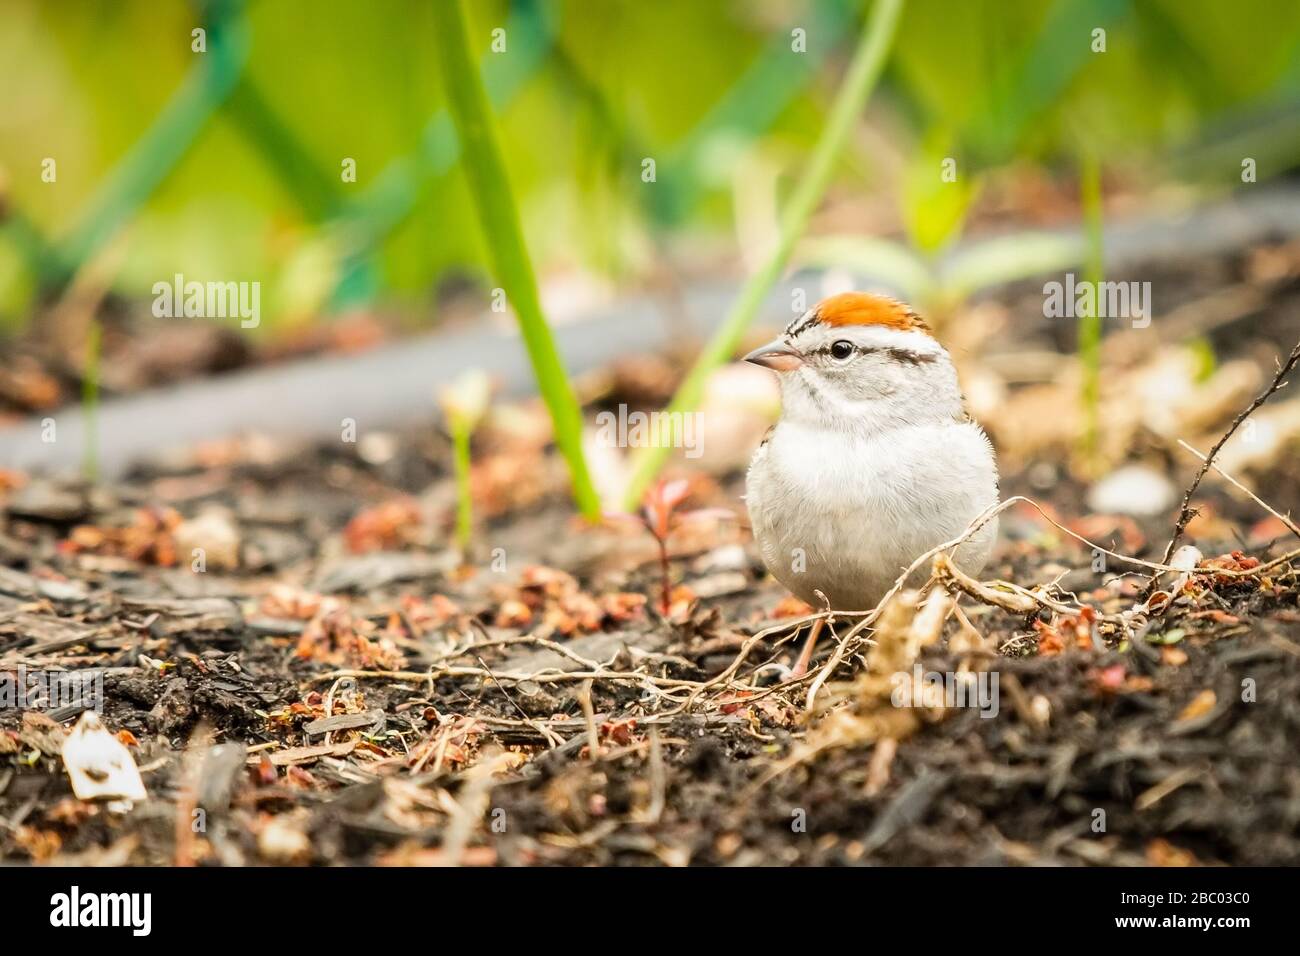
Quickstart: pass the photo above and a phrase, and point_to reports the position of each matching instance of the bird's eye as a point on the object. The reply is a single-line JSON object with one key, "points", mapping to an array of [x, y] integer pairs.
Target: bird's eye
{"points": [[841, 349]]}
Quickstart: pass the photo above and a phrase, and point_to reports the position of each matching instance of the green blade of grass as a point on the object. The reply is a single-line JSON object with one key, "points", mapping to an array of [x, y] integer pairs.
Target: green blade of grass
{"points": [[168, 139], [864, 70], [90, 402], [752, 105], [499, 217], [387, 202], [284, 154], [1090, 319], [464, 499]]}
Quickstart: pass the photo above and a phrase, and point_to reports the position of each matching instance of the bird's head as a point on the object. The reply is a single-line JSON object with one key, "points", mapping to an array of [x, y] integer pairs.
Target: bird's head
{"points": [[861, 362]]}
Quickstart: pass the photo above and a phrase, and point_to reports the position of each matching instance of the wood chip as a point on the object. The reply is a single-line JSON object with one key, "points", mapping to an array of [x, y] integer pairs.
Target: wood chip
{"points": [[296, 755], [369, 571], [23, 585], [217, 778], [907, 808], [183, 615], [344, 722], [48, 633]]}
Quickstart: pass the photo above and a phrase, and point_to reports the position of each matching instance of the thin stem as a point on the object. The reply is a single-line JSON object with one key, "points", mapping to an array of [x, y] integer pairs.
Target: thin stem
{"points": [[665, 575], [153, 157], [90, 401], [464, 500], [1090, 319]]}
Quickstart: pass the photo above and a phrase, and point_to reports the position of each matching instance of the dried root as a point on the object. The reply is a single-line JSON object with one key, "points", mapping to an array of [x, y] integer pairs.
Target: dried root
{"points": [[889, 700]]}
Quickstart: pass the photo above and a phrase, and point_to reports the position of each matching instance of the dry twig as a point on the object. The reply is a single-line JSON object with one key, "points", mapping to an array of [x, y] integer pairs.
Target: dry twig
{"points": [[1187, 511]]}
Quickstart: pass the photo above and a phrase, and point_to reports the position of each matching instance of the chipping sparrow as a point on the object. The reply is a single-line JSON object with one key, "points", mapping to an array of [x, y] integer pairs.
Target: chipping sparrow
{"points": [[874, 460]]}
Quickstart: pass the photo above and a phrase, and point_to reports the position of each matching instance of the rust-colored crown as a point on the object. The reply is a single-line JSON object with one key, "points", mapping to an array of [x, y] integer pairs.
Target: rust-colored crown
{"points": [[860, 308]]}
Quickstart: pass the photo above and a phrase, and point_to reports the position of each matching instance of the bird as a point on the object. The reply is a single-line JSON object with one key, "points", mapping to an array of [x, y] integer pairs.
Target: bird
{"points": [[873, 461]]}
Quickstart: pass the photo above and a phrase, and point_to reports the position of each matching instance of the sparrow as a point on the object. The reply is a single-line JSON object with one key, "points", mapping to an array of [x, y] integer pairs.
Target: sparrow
{"points": [[873, 461]]}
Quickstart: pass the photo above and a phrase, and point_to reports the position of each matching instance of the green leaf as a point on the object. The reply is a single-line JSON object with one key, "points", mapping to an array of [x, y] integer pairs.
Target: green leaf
{"points": [[1172, 636], [498, 215], [937, 192], [464, 402]]}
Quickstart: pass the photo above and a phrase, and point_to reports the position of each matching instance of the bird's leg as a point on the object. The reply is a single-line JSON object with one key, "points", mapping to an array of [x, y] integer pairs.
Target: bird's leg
{"points": [[805, 656]]}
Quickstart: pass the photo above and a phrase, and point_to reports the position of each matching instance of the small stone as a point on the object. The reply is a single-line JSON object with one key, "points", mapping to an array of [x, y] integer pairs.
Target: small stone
{"points": [[377, 448], [1134, 490], [729, 557], [1186, 558], [283, 841], [213, 535]]}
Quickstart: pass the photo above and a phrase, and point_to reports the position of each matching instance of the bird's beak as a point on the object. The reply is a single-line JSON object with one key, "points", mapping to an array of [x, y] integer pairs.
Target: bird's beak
{"points": [[777, 356]]}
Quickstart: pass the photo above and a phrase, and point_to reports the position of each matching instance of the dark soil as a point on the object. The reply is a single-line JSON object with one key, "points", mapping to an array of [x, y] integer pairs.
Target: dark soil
{"points": [[1175, 748]]}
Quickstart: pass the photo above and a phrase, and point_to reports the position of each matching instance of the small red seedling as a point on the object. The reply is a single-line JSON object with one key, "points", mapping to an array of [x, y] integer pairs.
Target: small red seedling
{"points": [[661, 500], [661, 518]]}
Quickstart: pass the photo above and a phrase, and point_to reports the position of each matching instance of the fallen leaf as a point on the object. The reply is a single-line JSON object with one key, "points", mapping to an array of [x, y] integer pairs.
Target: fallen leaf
{"points": [[1066, 630], [1160, 852], [39, 844], [1173, 656], [618, 732], [42, 733], [148, 539], [791, 606], [1200, 705], [384, 527]]}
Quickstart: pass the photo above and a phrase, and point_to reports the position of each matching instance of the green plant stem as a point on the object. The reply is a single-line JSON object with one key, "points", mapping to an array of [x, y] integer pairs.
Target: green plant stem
{"points": [[284, 154], [390, 199], [464, 500], [499, 217], [168, 138], [753, 104], [90, 402], [1090, 321], [864, 70]]}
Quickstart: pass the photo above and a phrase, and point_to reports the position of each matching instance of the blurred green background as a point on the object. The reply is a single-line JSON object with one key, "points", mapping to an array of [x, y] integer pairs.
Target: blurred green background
{"points": [[227, 164]]}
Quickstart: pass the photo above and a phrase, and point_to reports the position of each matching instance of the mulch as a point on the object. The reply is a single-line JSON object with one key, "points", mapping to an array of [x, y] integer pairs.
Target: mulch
{"points": [[333, 683]]}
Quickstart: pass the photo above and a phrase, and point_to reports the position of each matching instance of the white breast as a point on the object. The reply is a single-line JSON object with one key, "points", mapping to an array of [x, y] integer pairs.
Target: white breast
{"points": [[846, 515]]}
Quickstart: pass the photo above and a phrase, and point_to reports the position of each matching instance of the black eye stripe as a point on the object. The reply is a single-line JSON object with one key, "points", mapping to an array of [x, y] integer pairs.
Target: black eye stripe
{"points": [[910, 357], [898, 354], [827, 350]]}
